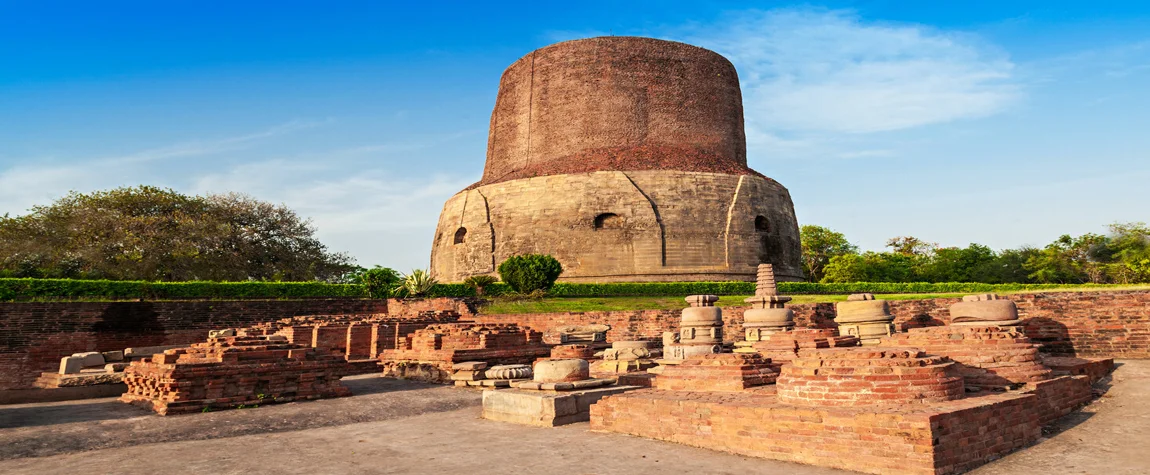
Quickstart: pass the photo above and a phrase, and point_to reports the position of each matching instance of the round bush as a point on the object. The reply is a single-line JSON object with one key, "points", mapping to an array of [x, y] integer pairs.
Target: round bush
{"points": [[530, 272]]}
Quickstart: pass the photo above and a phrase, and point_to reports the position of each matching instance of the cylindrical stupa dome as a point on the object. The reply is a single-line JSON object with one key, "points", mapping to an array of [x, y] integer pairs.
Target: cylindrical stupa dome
{"points": [[616, 103], [625, 159]]}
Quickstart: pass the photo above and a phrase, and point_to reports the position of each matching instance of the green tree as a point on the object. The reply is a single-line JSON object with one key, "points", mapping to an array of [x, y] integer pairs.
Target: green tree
{"points": [[530, 272], [911, 246], [149, 233], [819, 246], [380, 282], [1070, 260], [975, 263], [870, 267]]}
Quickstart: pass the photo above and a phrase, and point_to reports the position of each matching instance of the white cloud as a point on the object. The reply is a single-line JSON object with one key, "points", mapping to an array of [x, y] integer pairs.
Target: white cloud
{"points": [[828, 71], [376, 216], [41, 181]]}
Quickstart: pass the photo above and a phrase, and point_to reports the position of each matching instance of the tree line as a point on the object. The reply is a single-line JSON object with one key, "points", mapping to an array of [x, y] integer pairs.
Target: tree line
{"points": [[1121, 256]]}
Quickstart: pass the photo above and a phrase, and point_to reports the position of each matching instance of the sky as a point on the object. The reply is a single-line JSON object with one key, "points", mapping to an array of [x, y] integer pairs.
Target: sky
{"points": [[1000, 123]]}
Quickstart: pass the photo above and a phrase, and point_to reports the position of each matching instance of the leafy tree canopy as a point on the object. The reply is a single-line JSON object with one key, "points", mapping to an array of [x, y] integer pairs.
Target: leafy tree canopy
{"points": [[150, 233]]}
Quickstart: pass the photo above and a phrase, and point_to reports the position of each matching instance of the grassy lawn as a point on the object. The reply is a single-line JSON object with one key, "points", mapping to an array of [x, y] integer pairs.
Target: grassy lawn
{"points": [[590, 304]]}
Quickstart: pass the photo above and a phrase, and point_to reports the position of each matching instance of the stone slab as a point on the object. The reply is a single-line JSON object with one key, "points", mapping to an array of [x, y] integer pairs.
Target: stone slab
{"points": [[146, 351], [544, 408]]}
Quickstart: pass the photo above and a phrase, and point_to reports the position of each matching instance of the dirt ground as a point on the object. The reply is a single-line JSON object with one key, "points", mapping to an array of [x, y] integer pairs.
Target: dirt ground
{"points": [[403, 427]]}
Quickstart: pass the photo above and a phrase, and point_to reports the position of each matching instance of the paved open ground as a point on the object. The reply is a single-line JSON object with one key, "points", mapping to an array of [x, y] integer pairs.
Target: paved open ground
{"points": [[404, 427]]}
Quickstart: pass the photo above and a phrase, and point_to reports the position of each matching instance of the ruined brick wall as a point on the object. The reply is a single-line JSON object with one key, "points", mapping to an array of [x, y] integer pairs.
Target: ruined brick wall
{"points": [[34, 335], [1104, 323], [625, 159]]}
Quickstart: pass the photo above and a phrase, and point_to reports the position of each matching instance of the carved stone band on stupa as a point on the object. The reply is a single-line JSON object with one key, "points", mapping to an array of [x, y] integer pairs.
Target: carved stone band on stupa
{"points": [[864, 317], [984, 310], [767, 314]]}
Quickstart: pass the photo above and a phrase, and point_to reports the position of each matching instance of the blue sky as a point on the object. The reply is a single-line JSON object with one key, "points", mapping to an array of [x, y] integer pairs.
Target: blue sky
{"points": [[1001, 123]]}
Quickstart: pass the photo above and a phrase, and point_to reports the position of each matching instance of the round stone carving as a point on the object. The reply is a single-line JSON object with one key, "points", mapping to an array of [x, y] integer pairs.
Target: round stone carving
{"points": [[561, 371], [985, 309], [509, 371], [646, 344]]}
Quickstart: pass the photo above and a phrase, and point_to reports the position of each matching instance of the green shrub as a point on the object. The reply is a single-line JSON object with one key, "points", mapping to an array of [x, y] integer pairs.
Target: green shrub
{"points": [[380, 282], [530, 272], [479, 283]]}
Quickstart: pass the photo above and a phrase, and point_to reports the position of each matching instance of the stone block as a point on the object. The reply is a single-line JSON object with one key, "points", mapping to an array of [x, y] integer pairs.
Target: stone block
{"points": [[90, 359], [71, 365], [113, 356], [542, 408]]}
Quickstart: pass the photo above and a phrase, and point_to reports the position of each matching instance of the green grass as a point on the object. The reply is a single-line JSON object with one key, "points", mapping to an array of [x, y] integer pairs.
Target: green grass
{"points": [[591, 304]]}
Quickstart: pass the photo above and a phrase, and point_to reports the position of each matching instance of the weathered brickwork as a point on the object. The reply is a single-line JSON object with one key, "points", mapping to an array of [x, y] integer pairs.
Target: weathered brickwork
{"points": [[922, 439], [230, 372], [625, 159], [428, 354], [866, 376], [717, 372], [989, 357], [34, 335]]}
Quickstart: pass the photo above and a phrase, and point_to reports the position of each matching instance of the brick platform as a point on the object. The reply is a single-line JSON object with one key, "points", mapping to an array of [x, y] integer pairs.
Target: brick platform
{"points": [[932, 438], [227, 372], [867, 376], [782, 347], [583, 352], [718, 372], [989, 357], [428, 354], [1093, 368]]}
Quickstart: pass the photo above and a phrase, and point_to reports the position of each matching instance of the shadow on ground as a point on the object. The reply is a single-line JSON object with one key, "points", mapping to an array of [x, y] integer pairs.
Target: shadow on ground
{"points": [[38, 430]]}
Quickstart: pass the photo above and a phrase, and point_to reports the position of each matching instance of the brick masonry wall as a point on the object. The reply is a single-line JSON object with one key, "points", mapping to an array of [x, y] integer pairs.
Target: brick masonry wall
{"points": [[35, 335], [1104, 323]]}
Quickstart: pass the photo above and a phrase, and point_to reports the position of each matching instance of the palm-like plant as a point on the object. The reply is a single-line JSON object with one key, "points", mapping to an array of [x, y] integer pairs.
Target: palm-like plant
{"points": [[418, 283]]}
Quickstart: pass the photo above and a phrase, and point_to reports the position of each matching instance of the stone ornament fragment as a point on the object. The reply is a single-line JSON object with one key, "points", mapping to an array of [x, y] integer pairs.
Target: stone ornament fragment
{"points": [[509, 371], [561, 371], [864, 317], [595, 333], [984, 310]]}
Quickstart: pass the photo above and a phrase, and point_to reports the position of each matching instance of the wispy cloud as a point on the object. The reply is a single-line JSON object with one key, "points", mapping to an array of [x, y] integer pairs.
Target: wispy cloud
{"points": [[34, 182], [829, 71]]}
